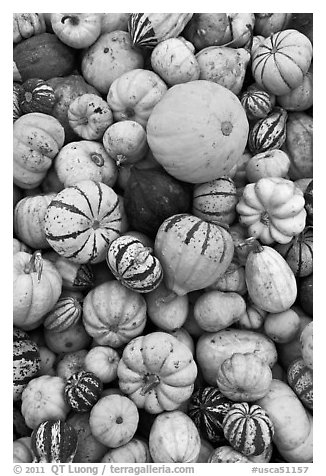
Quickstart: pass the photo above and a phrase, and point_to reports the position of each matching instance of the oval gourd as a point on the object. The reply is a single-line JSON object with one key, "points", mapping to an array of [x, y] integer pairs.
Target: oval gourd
{"points": [[268, 133], [282, 327]]}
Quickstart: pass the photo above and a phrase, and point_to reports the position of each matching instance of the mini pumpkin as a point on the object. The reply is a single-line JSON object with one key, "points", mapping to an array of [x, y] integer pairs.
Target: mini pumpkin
{"points": [[26, 25], [36, 96], [257, 102], [78, 30], [272, 163], [54, 441], [268, 133], [103, 361], [83, 389]]}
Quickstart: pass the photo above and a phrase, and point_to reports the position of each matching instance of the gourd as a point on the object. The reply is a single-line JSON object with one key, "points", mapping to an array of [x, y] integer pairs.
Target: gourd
{"points": [[22, 451], [36, 96], [226, 454], [268, 133], [26, 25], [70, 363], [78, 30], [16, 111], [268, 23], [89, 449], [300, 379], [299, 98], [103, 361], [233, 280], [208, 29], [253, 318], [305, 294], [135, 451], [272, 163], [82, 391], [299, 145], [282, 327], [257, 102], [54, 441], [306, 341], [26, 361], [48, 361], [75, 276], [299, 253], [114, 21], [308, 197]]}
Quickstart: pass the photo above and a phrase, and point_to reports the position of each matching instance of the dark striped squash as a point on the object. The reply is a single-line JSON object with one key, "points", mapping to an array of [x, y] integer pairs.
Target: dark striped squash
{"points": [[134, 265], [83, 389], [308, 197], [66, 313], [26, 361], [300, 378], [215, 201], [257, 102], [17, 112], [82, 221], [268, 133], [54, 441], [149, 29], [248, 429], [207, 408], [299, 253], [36, 96]]}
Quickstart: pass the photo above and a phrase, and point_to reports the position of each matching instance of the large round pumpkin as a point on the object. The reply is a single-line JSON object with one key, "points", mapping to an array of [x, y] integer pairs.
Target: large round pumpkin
{"points": [[198, 131]]}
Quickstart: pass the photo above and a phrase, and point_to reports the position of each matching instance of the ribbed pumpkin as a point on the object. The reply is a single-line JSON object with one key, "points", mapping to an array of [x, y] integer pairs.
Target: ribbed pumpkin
{"points": [[83, 389], [207, 408], [257, 102], [149, 29], [281, 61], [300, 378], [192, 252], [54, 441], [36, 96], [103, 361], [26, 25], [82, 220], [78, 30], [26, 361], [299, 253], [66, 312], [134, 264], [268, 133], [75, 276], [198, 131], [151, 196]]}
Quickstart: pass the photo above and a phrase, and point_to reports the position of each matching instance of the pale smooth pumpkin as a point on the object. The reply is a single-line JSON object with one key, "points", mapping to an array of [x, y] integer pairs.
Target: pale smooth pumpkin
{"points": [[283, 326], [78, 30], [103, 362]]}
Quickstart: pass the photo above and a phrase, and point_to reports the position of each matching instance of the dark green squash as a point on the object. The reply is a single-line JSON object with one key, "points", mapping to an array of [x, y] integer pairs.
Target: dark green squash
{"points": [[305, 294], [36, 96], [299, 253], [151, 196]]}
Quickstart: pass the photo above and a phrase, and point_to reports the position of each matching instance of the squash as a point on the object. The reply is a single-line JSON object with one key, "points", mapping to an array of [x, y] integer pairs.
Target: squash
{"points": [[108, 58], [85, 160], [83, 389], [206, 144], [22, 451], [36, 96], [54, 441], [133, 95], [233, 280], [268, 133], [305, 294], [268, 23], [308, 198], [213, 349], [48, 361], [20, 246], [299, 253], [157, 372], [71, 339], [182, 335], [16, 111], [43, 56], [78, 30], [114, 21], [103, 362], [43, 399], [26, 25], [70, 363], [193, 253], [292, 423], [89, 449], [306, 342], [82, 220], [135, 451], [113, 314], [37, 286], [38, 138], [253, 318], [271, 163], [89, 116], [257, 102], [299, 98], [208, 29], [299, 145], [281, 61], [300, 379], [282, 327], [75, 276], [113, 420], [226, 454], [174, 438], [26, 361], [248, 429]]}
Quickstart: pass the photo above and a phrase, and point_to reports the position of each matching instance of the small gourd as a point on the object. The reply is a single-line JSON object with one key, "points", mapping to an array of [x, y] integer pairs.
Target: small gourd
{"points": [[83, 389], [268, 133], [300, 379], [257, 102], [26, 361], [54, 441], [78, 30]]}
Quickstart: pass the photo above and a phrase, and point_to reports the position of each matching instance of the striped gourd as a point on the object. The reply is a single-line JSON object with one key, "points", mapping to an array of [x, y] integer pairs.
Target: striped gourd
{"points": [[248, 429], [207, 408], [215, 201], [149, 29], [300, 378], [134, 265], [36, 96], [54, 441], [75, 276], [257, 102], [26, 361], [83, 389], [193, 253], [268, 133], [16, 112], [299, 253], [66, 313], [82, 221]]}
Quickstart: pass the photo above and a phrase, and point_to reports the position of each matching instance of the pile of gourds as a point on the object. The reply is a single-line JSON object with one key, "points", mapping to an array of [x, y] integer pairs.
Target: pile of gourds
{"points": [[163, 237]]}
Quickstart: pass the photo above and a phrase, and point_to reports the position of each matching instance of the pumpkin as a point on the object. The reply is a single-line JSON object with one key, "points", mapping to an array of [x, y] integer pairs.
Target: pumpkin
{"points": [[268, 23], [205, 145], [22, 451], [244, 377], [308, 198], [48, 361], [38, 138], [299, 253], [182, 335], [54, 441], [306, 342], [207, 408], [208, 29], [75, 276], [193, 253], [134, 264], [89, 449], [281, 61], [103, 361], [29, 220], [283, 326], [113, 314], [149, 29], [268, 133], [36, 96], [292, 423], [26, 25], [151, 196], [299, 145], [271, 163], [215, 201], [70, 363], [43, 399], [85, 160], [300, 379], [113, 420], [174, 438], [37, 285], [233, 280], [108, 58], [248, 429], [133, 95], [83, 389], [71, 339], [272, 209], [89, 116], [257, 102], [78, 30], [125, 142], [82, 220], [213, 349], [217, 310], [114, 21], [135, 451], [43, 56], [16, 112], [174, 62], [157, 372], [299, 98], [305, 294], [226, 454], [26, 361]]}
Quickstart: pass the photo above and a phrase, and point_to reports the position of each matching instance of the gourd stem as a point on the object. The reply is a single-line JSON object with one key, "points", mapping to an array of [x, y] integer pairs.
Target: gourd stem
{"points": [[151, 381], [166, 299], [73, 19], [35, 265], [253, 244], [120, 159], [97, 159]]}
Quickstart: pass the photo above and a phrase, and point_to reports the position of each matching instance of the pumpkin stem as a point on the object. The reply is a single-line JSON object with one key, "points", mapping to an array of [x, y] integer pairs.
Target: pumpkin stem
{"points": [[74, 20], [166, 299], [35, 265], [253, 244], [97, 159], [120, 159], [151, 381]]}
